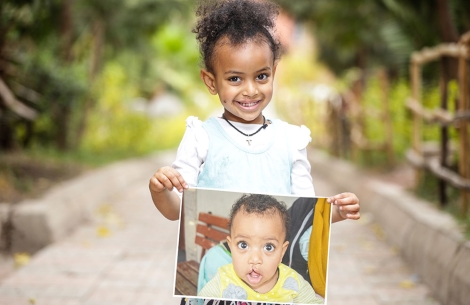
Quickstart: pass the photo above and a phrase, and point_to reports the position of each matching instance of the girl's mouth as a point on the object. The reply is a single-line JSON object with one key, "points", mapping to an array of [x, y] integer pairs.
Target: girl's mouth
{"points": [[248, 105], [254, 277]]}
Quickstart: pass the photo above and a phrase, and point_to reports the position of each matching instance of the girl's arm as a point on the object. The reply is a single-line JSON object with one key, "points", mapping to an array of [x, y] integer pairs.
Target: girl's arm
{"points": [[161, 188], [168, 181]]}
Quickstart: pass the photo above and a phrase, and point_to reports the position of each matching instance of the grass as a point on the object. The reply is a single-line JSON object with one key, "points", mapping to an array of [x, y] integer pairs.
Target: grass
{"points": [[28, 174]]}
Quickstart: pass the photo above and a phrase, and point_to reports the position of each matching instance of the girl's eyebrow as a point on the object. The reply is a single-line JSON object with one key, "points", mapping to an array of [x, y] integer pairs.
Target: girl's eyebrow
{"points": [[233, 72], [237, 72]]}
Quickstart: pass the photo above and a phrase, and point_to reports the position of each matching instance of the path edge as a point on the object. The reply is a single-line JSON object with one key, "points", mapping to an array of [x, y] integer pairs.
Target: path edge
{"points": [[429, 240]]}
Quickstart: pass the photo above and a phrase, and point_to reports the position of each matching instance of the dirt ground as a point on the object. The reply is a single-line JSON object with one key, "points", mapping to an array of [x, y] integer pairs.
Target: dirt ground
{"points": [[23, 177]]}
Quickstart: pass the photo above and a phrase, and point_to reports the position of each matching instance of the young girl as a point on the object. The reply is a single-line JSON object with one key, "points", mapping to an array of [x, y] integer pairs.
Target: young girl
{"points": [[259, 227], [242, 150]]}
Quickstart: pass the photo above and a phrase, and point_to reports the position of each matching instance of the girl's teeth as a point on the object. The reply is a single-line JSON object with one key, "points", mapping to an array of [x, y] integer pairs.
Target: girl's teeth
{"points": [[248, 105]]}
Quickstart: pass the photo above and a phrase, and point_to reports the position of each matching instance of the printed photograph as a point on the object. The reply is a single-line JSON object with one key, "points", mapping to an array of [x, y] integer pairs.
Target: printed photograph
{"points": [[252, 247]]}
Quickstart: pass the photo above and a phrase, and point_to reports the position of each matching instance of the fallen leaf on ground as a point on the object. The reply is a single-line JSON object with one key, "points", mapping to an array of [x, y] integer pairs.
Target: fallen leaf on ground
{"points": [[103, 231], [408, 284], [21, 259]]}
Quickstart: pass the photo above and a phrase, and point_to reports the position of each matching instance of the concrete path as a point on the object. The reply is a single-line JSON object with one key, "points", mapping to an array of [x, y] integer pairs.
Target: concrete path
{"points": [[126, 255]]}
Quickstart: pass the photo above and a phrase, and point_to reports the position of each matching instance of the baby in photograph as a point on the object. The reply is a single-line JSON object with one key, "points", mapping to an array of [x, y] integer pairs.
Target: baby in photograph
{"points": [[258, 240]]}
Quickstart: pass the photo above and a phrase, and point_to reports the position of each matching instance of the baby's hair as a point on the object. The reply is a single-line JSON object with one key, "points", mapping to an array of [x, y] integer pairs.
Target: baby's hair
{"points": [[237, 20], [261, 205]]}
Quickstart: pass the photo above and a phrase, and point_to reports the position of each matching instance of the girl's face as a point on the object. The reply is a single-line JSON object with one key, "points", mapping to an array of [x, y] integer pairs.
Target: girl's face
{"points": [[257, 243], [243, 78]]}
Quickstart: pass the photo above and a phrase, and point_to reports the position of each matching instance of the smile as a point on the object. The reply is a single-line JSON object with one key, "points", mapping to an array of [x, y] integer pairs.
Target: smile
{"points": [[248, 104]]}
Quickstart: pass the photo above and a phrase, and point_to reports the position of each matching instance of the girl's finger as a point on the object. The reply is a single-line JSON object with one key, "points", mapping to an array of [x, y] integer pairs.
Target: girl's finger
{"points": [[156, 185], [176, 180], [354, 208], [353, 216]]}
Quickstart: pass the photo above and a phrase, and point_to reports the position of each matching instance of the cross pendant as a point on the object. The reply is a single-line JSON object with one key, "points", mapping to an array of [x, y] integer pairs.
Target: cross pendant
{"points": [[248, 141]]}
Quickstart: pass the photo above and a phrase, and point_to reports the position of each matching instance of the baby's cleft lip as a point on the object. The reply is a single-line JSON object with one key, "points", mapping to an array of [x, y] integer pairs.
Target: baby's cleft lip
{"points": [[254, 277]]}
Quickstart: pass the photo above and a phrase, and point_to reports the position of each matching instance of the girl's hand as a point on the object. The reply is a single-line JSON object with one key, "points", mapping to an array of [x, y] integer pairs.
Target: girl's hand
{"points": [[347, 205], [166, 178]]}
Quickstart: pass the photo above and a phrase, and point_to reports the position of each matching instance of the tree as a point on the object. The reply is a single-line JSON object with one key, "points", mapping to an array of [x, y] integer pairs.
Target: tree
{"points": [[46, 71], [382, 32]]}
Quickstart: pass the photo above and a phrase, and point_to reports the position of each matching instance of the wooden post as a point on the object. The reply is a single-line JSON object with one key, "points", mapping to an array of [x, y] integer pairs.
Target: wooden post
{"points": [[463, 129], [443, 86], [415, 72], [387, 118], [357, 128]]}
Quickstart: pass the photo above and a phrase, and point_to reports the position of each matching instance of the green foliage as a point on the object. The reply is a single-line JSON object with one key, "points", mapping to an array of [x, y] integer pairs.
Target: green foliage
{"points": [[60, 92], [58, 47], [401, 117], [367, 34], [115, 129], [177, 60], [374, 100]]}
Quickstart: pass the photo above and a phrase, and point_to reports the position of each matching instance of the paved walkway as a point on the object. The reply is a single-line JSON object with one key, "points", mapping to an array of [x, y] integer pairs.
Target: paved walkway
{"points": [[126, 256]]}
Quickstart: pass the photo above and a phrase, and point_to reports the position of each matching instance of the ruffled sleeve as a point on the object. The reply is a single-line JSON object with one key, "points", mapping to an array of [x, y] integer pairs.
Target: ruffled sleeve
{"points": [[301, 178], [302, 138], [192, 151]]}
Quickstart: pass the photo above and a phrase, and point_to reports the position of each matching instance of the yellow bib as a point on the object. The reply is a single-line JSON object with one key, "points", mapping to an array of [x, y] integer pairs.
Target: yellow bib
{"points": [[285, 290]]}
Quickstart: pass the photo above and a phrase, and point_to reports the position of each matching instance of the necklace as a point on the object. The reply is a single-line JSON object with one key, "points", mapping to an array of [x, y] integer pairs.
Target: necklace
{"points": [[246, 134]]}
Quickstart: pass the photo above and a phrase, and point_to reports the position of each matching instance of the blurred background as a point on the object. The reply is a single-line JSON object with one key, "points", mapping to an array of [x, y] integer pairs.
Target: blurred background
{"points": [[86, 83]]}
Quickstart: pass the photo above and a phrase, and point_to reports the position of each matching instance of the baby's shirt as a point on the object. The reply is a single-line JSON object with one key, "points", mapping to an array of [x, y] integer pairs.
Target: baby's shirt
{"points": [[290, 287], [193, 150]]}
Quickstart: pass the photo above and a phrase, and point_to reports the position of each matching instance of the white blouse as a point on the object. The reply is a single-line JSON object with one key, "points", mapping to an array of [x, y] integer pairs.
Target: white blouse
{"points": [[192, 151]]}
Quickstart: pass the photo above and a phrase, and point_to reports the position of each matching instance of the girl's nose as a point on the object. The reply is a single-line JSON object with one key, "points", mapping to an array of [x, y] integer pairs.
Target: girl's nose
{"points": [[250, 89]]}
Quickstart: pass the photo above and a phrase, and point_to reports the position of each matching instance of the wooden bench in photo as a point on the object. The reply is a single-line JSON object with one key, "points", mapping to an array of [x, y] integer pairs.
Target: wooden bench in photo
{"points": [[210, 231]]}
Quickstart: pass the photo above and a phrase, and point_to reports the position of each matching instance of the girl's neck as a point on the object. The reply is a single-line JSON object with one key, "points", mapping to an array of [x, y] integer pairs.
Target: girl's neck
{"points": [[229, 116]]}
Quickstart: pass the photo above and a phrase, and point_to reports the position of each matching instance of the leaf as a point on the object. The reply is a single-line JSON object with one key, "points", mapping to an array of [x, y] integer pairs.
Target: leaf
{"points": [[21, 259], [102, 231], [408, 284]]}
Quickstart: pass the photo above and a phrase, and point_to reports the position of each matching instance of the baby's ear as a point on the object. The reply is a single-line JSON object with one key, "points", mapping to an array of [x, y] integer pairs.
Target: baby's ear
{"points": [[284, 248], [209, 80]]}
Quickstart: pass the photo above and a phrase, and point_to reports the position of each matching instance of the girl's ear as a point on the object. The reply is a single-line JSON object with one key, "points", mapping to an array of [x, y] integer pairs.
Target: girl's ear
{"points": [[209, 80], [274, 69]]}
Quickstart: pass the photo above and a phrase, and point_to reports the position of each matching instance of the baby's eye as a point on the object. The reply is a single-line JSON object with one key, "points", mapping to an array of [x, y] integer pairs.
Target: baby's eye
{"points": [[262, 76], [234, 79], [269, 247], [242, 245]]}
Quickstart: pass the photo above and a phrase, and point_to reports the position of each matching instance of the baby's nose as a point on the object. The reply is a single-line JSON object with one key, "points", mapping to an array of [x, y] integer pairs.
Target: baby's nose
{"points": [[255, 258]]}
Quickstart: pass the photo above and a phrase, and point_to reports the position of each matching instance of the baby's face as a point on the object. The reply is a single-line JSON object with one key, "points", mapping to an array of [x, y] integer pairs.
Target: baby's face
{"points": [[258, 244], [243, 79]]}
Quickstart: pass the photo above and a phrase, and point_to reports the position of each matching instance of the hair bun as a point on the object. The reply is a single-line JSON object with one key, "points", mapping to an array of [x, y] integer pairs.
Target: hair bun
{"points": [[238, 20]]}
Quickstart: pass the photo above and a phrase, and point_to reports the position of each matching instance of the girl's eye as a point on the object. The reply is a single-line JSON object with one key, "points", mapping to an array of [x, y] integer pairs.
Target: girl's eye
{"points": [[269, 247], [234, 79], [262, 77], [242, 245]]}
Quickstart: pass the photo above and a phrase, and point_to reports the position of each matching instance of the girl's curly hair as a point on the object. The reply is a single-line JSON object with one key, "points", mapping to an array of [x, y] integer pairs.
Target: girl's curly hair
{"points": [[237, 20]]}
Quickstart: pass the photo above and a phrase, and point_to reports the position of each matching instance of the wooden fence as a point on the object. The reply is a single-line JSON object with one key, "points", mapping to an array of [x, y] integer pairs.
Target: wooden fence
{"points": [[438, 163], [347, 122]]}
